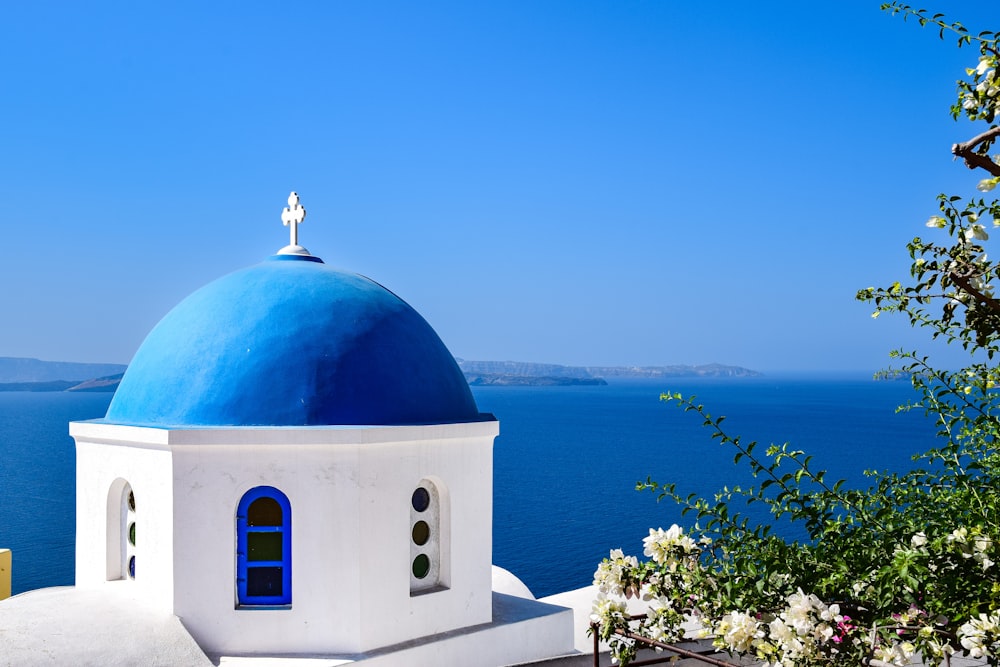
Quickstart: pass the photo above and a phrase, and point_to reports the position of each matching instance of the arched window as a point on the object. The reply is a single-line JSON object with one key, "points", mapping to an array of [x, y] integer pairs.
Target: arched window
{"points": [[121, 531], [263, 548], [427, 538]]}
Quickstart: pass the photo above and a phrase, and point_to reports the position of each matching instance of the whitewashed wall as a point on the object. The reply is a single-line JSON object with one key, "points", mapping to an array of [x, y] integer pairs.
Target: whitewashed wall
{"points": [[349, 489], [145, 463]]}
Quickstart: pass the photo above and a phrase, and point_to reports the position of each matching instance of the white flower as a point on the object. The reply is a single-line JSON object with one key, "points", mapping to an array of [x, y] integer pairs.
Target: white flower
{"points": [[659, 604], [823, 632], [862, 588], [987, 184], [918, 540], [666, 547], [979, 635], [739, 631], [936, 221], [799, 611], [780, 632], [974, 233], [981, 544], [789, 644], [985, 62], [896, 654], [608, 577], [970, 103], [605, 608]]}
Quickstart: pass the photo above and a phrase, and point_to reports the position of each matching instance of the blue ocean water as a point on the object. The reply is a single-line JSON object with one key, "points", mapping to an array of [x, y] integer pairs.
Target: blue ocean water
{"points": [[568, 458], [565, 464], [38, 482]]}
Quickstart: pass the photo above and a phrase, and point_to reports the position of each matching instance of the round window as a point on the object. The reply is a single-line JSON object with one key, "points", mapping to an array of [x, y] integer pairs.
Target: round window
{"points": [[421, 532], [421, 499], [421, 566]]}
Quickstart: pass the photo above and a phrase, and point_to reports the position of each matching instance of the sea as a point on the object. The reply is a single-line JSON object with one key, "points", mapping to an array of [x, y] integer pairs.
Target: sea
{"points": [[566, 462]]}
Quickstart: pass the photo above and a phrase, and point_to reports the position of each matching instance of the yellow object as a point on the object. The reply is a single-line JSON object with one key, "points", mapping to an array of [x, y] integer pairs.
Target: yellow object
{"points": [[5, 563]]}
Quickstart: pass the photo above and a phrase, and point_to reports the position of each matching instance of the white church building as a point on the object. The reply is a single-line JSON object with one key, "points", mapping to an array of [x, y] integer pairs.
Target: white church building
{"points": [[292, 471]]}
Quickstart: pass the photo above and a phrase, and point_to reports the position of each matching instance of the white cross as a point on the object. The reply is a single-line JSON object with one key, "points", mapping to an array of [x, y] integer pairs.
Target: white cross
{"points": [[292, 216]]}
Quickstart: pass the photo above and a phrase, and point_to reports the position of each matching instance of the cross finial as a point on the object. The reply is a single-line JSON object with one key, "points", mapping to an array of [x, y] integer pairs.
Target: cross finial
{"points": [[292, 216]]}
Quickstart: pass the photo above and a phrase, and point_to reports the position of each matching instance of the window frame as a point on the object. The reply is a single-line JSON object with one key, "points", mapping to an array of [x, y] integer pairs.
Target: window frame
{"points": [[434, 543], [243, 564]]}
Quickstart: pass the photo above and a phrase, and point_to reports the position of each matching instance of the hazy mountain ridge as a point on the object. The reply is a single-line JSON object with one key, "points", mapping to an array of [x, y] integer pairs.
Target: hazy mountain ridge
{"points": [[529, 369], [674, 370], [107, 383], [24, 374], [495, 380], [48, 385], [23, 369]]}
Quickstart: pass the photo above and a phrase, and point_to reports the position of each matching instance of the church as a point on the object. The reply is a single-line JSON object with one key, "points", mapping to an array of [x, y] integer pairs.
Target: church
{"points": [[293, 470]]}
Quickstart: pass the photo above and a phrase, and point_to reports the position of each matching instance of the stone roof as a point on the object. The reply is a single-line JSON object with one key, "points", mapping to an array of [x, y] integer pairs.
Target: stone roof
{"points": [[106, 626]]}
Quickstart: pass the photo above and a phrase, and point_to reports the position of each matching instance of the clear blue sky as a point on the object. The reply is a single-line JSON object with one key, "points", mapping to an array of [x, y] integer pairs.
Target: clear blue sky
{"points": [[576, 182]]}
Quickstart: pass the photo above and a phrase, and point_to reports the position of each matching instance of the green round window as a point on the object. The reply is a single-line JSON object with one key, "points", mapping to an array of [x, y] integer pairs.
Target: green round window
{"points": [[421, 566]]}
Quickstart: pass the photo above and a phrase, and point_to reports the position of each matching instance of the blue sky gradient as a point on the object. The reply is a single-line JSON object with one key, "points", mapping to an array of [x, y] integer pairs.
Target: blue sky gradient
{"points": [[577, 182]]}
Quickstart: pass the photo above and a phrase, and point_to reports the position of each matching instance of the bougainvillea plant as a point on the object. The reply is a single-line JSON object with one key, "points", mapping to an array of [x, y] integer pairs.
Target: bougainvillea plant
{"points": [[904, 569]]}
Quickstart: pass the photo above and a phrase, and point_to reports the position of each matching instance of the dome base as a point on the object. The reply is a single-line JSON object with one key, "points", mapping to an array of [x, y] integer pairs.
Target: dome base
{"points": [[293, 250]]}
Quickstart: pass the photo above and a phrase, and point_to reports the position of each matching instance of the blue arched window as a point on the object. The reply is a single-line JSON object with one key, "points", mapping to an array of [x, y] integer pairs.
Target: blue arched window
{"points": [[264, 548]]}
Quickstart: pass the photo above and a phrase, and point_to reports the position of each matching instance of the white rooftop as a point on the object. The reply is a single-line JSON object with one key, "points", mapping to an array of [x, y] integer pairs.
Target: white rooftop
{"points": [[110, 626]]}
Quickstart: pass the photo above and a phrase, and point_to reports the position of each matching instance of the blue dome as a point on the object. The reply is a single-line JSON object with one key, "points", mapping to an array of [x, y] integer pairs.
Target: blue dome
{"points": [[292, 342]]}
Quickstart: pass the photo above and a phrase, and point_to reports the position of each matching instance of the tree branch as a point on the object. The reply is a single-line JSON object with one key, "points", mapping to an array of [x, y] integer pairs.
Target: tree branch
{"points": [[967, 151], [964, 283]]}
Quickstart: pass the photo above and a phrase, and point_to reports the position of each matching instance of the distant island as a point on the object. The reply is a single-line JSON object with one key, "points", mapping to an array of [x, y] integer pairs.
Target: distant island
{"points": [[23, 369], [23, 374], [500, 380], [520, 373]]}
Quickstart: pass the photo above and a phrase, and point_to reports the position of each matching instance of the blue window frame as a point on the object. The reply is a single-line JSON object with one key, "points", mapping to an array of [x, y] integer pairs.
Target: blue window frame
{"points": [[264, 548]]}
